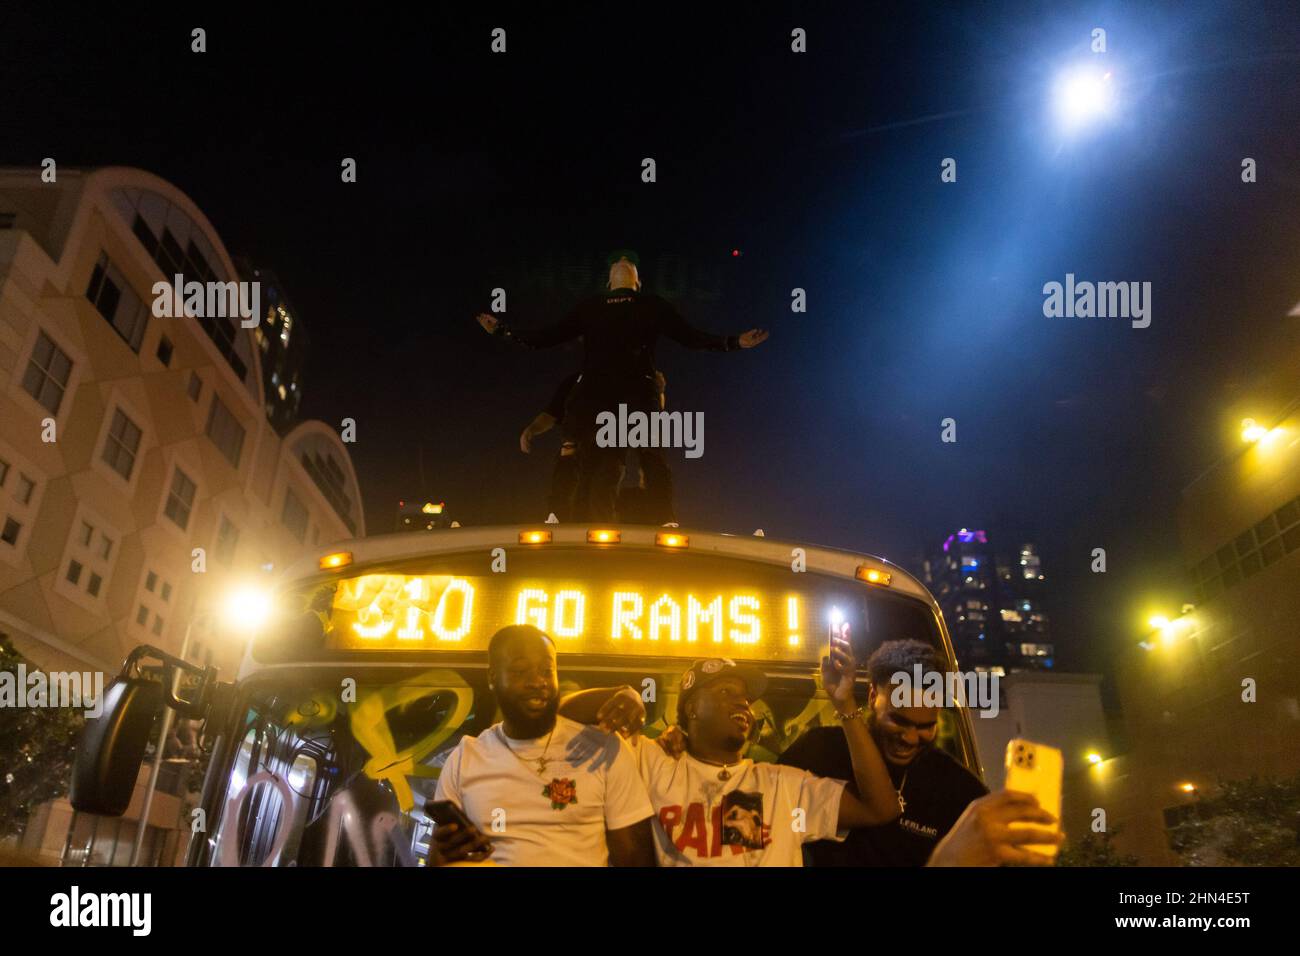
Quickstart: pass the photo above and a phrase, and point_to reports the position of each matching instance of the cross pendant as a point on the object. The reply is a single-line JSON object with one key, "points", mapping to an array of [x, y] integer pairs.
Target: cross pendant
{"points": [[541, 766], [902, 804]]}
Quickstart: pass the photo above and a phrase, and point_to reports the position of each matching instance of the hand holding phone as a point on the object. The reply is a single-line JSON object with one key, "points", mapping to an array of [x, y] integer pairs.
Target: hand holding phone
{"points": [[455, 838], [839, 669], [1036, 769]]}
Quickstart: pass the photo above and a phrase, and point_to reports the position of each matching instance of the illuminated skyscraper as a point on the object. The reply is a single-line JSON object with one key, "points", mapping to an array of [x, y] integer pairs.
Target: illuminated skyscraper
{"points": [[993, 609], [282, 340]]}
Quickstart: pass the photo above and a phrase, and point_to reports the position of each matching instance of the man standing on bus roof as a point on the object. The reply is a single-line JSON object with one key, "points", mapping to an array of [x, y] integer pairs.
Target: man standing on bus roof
{"points": [[716, 808], [933, 789], [540, 789], [619, 330]]}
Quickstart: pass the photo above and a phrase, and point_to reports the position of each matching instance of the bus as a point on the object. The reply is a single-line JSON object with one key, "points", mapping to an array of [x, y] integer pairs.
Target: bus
{"points": [[327, 744]]}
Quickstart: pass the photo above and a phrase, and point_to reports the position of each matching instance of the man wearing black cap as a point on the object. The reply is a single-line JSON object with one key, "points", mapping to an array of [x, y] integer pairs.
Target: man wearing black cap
{"points": [[713, 807], [619, 330]]}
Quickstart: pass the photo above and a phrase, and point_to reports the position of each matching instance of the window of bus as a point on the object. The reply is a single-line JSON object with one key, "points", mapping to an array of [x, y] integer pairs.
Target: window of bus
{"points": [[319, 780]]}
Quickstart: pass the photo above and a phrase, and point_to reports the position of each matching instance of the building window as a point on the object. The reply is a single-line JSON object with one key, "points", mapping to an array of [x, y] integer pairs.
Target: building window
{"points": [[113, 297], [225, 431], [11, 531], [25, 488], [157, 586], [88, 557], [4, 471], [224, 333], [47, 373], [180, 499], [122, 444], [294, 515], [227, 541], [195, 388], [165, 349]]}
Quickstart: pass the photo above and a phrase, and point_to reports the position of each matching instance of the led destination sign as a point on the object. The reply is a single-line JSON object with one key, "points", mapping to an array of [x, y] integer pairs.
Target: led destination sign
{"points": [[687, 618]]}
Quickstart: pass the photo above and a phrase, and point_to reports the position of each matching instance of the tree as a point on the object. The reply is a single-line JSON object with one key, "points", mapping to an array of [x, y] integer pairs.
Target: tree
{"points": [[1254, 822], [36, 748], [1096, 849]]}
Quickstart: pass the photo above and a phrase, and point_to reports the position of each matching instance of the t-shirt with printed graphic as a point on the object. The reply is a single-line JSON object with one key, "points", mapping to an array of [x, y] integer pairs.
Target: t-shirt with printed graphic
{"points": [[591, 785], [747, 820]]}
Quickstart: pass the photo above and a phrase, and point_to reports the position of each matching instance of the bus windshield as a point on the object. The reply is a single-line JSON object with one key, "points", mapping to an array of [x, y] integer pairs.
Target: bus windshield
{"points": [[332, 763]]}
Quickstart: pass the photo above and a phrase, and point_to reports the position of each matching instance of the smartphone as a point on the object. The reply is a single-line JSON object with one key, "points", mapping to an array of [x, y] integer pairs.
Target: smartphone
{"points": [[1037, 769], [839, 634], [443, 812]]}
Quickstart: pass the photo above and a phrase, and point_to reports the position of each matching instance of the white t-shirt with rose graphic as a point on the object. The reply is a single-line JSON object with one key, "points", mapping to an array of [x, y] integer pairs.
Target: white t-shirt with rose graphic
{"points": [[591, 785]]}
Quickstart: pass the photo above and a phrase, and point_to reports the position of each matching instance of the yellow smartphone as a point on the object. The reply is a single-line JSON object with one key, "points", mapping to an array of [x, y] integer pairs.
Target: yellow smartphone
{"points": [[1037, 769]]}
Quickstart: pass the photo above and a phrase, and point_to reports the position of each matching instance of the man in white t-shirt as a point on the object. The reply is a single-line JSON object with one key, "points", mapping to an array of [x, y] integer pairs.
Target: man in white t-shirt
{"points": [[540, 789], [715, 808]]}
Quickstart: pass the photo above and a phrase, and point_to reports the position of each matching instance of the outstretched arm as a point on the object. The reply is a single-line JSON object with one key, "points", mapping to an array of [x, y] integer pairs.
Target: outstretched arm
{"points": [[567, 329], [682, 332]]}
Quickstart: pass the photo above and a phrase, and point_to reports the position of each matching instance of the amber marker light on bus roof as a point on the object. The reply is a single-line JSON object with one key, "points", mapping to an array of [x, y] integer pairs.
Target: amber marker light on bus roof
{"points": [[667, 539], [604, 536], [339, 559], [534, 537], [874, 576]]}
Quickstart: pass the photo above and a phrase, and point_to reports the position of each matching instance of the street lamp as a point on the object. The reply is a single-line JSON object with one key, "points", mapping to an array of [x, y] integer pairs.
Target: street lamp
{"points": [[245, 610]]}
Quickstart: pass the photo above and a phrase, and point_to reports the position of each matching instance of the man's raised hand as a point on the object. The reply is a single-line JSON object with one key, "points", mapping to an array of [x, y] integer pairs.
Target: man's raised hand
{"points": [[623, 713], [753, 337], [838, 673], [489, 322]]}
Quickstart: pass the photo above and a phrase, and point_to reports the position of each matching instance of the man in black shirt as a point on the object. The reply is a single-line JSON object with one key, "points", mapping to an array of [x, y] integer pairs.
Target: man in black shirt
{"points": [[933, 789], [619, 330]]}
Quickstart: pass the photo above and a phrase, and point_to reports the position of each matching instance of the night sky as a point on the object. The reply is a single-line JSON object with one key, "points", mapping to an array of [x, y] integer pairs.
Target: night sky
{"points": [[822, 170]]}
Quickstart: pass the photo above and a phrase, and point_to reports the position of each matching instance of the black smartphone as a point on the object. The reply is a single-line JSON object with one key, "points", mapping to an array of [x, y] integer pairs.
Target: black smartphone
{"points": [[443, 812]]}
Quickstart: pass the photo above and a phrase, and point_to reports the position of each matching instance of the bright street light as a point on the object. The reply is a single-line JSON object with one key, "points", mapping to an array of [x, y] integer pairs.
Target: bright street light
{"points": [[1083, 95], [1252, 432], [247, 609]]}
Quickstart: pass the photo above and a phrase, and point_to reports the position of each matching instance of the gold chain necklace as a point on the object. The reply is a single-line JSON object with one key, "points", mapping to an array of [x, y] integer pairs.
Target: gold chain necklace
{"points": [[540, 761]]}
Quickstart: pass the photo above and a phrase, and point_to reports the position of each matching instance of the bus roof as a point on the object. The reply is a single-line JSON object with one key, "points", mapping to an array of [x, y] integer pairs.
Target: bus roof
{"points": [[388, 548]]}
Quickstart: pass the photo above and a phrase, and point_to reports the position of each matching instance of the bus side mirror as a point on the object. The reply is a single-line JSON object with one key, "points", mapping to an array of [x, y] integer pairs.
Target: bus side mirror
{"points": [[112, 746]]}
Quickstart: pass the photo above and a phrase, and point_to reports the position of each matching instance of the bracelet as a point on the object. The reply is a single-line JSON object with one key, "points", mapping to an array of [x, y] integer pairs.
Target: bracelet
{"points": [[851, 715]]}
